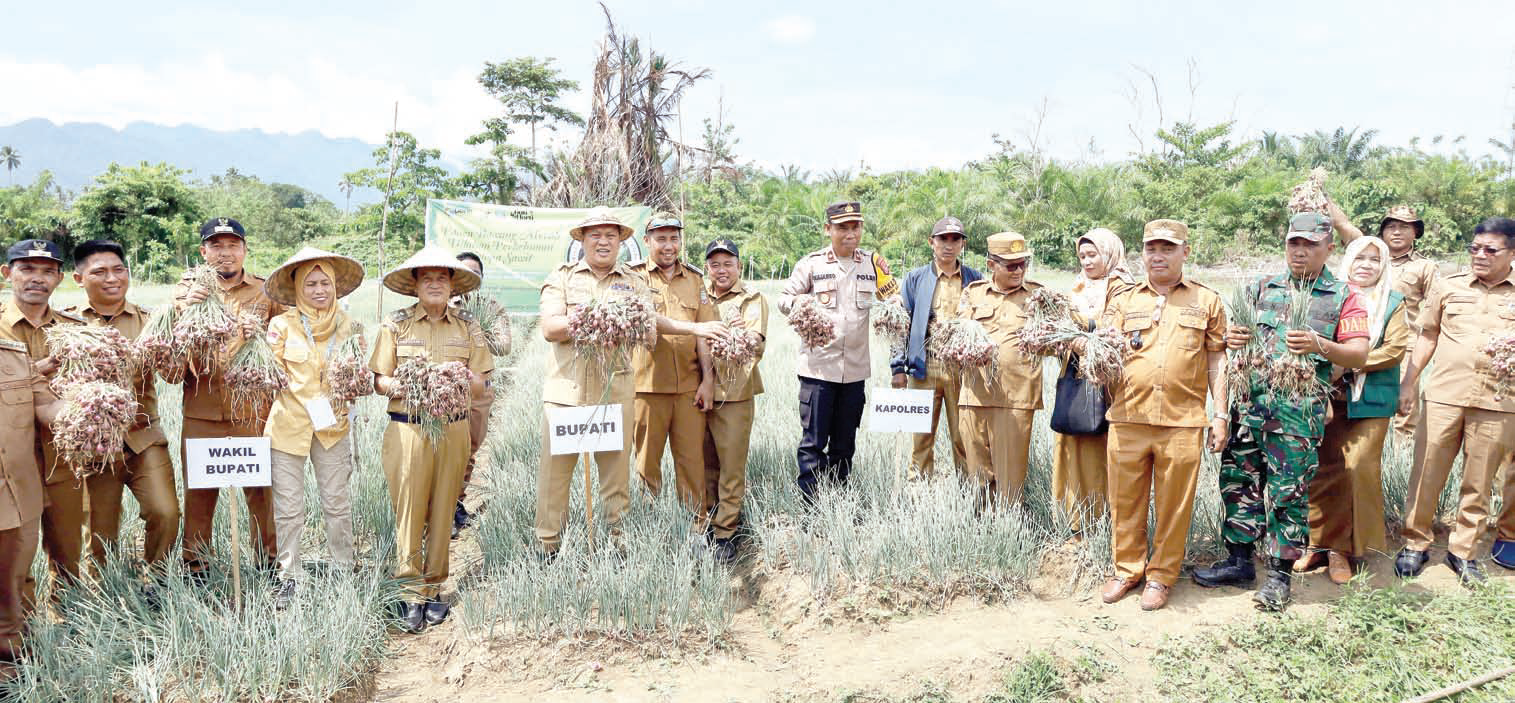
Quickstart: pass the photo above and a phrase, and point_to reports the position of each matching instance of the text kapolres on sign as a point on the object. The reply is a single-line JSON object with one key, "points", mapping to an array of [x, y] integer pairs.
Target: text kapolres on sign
{"points": [[899, 410]]}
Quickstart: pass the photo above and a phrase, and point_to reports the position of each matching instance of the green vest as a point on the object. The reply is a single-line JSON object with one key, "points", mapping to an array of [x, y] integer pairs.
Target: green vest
{"points": [[1263, 410], [1380, 391]]}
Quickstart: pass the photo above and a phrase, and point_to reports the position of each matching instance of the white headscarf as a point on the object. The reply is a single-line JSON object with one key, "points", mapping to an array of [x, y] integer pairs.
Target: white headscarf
{"points": [[1089, 294], [1375, 297]]}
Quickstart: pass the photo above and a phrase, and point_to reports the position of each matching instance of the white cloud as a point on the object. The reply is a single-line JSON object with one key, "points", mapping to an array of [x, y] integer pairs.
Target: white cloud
{"points": [[790, 29]]}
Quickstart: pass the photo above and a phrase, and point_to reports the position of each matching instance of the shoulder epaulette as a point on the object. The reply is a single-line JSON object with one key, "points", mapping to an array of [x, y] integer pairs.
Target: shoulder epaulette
{"points": [[1200, 284], [400, 315], [463, 315], [977, 284], [638, 266], [817, 252], [65, 314], [695, 269], [1461, 274], [1032, 285], [13, 345]]}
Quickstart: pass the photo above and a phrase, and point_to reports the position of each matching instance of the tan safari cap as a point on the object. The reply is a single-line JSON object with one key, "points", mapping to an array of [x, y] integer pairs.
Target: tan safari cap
{"points": [[1166, 231], [1010, 246]]}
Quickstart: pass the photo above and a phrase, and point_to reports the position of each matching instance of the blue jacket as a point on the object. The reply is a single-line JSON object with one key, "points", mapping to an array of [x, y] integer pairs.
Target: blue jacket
{"points": [[920, 286]]}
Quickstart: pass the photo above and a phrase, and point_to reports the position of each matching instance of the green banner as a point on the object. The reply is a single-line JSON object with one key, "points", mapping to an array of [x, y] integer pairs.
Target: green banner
{"points": [[519, 245]]}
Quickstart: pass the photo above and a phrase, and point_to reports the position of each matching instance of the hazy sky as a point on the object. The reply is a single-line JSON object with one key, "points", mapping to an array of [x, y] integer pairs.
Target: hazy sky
{"points": [[822, 85]]}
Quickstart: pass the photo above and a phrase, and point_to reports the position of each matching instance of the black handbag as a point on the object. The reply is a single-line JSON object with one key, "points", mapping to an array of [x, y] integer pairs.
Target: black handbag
{"points": [[1080, 406]]}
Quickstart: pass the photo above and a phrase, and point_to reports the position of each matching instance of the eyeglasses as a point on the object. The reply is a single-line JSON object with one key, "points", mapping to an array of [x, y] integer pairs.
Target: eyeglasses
{"points": [[1475, 250], [1014, 265]]}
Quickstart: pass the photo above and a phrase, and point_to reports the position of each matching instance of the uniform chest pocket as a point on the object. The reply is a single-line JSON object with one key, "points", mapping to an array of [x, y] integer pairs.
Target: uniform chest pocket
{"points": [[982, 313], [1131, 323], [1191, 331], [457, 351], [825, 292], [1460, 309], [17, 403], [865, 299], [409, 351]]}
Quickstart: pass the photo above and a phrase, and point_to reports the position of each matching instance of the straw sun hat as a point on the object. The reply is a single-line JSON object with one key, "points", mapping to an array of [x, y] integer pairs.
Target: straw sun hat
{"points": [[402, 279], [281, 284], [600, 216]]}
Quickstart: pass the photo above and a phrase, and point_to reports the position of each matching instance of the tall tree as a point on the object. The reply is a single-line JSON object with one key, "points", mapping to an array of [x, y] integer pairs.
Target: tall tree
{"points": [[149, 209], [529, 88], [11, 160], [418, 177]]}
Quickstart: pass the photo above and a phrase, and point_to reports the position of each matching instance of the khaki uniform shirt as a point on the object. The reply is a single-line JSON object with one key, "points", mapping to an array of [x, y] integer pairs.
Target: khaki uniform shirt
{"points": [[500, 344], [673, 366], [846, 291], [15, 327], [1464, 314], [1413, 276], [289, 427], [1016, 380], [411, 332], [22, 391], [751, 307], [1166, 380], [129, 322], [571, 381], [205, 398]]}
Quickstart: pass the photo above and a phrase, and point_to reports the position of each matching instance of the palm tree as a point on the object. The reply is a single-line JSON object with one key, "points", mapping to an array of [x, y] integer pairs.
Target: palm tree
{"points": [[346, 187], [11, 159]]}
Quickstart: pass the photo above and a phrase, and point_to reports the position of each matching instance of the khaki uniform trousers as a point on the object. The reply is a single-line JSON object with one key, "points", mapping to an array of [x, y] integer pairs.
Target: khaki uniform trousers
{"points": [[726, 442], [671, 419], [1485, 438], [1079, 475], [200, 503], [1405, 424], [333, 469], [1346, 494], [64, 523], [945, 389], [555, 479], [478, 427], [424, 480], [1160, 464], [150, 476], [18, 546], [998, 444]]}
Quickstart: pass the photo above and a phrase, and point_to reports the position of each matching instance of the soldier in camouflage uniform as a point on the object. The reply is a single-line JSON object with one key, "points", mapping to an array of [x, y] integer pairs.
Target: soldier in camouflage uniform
{"points": [[1267, 466]]}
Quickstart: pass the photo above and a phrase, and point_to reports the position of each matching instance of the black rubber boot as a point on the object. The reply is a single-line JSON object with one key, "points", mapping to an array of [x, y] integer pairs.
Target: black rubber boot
{"points": [[1274, 594], [1234, 570]]}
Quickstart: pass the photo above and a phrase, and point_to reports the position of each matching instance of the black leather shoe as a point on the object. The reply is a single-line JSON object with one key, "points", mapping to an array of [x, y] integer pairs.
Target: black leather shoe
{"points": [[1235, 570], [724, 551], [412, 617], [436, 611], [1468, 571], [460, 518], [1410, 562], [1274, 594]]}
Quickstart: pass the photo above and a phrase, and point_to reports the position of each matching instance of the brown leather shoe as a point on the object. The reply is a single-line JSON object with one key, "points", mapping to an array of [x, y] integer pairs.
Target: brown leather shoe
{"points": [[1339, 568], [1117, 589], [1155, 596], [1313, 560]]}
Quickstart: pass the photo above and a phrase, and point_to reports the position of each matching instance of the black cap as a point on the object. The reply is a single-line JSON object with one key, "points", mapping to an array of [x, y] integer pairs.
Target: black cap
{"points": [[221, 225], [34, 249], [845, 211], [722, 245], [96, 246]]}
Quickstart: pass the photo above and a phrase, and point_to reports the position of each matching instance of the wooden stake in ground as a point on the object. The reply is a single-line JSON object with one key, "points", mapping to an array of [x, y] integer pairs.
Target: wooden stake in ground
{"points": [[389, 186], [588, 502], [236, 561]]}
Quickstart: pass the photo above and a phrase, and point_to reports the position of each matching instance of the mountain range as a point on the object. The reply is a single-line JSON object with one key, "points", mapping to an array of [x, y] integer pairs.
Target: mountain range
{"points": [[75, 152]]}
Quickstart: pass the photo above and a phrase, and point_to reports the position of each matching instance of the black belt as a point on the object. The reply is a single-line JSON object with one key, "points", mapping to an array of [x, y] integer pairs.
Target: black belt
{"points": [[402, 417]]}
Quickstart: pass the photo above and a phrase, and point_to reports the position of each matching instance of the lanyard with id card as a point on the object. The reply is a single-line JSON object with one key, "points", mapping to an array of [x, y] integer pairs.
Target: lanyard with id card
{"points": [[319, 408]]}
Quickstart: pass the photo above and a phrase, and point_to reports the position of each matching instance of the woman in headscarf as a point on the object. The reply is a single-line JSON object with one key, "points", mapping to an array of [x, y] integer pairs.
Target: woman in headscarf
{"points": [[1078, 464], [303, 421], [1346, 495]]}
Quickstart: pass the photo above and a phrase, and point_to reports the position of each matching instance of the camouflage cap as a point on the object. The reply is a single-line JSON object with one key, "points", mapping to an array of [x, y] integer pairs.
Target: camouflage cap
{"points": [[1313, 226], [1010, 246], [1167, 231], [662, 220], [845, 211], [947, 225]]}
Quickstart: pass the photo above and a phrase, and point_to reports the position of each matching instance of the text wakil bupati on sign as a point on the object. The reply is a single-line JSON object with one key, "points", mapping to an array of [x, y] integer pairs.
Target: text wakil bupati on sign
{"points": [[227, 452]]}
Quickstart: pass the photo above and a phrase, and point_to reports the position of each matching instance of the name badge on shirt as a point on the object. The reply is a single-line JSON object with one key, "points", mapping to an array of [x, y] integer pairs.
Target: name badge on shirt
{"points": [[321, 414]]}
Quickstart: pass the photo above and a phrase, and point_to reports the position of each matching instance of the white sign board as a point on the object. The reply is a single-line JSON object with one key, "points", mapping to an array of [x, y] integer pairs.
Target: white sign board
{"points": [[585, 428], [899, 410], [228, 462]]}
